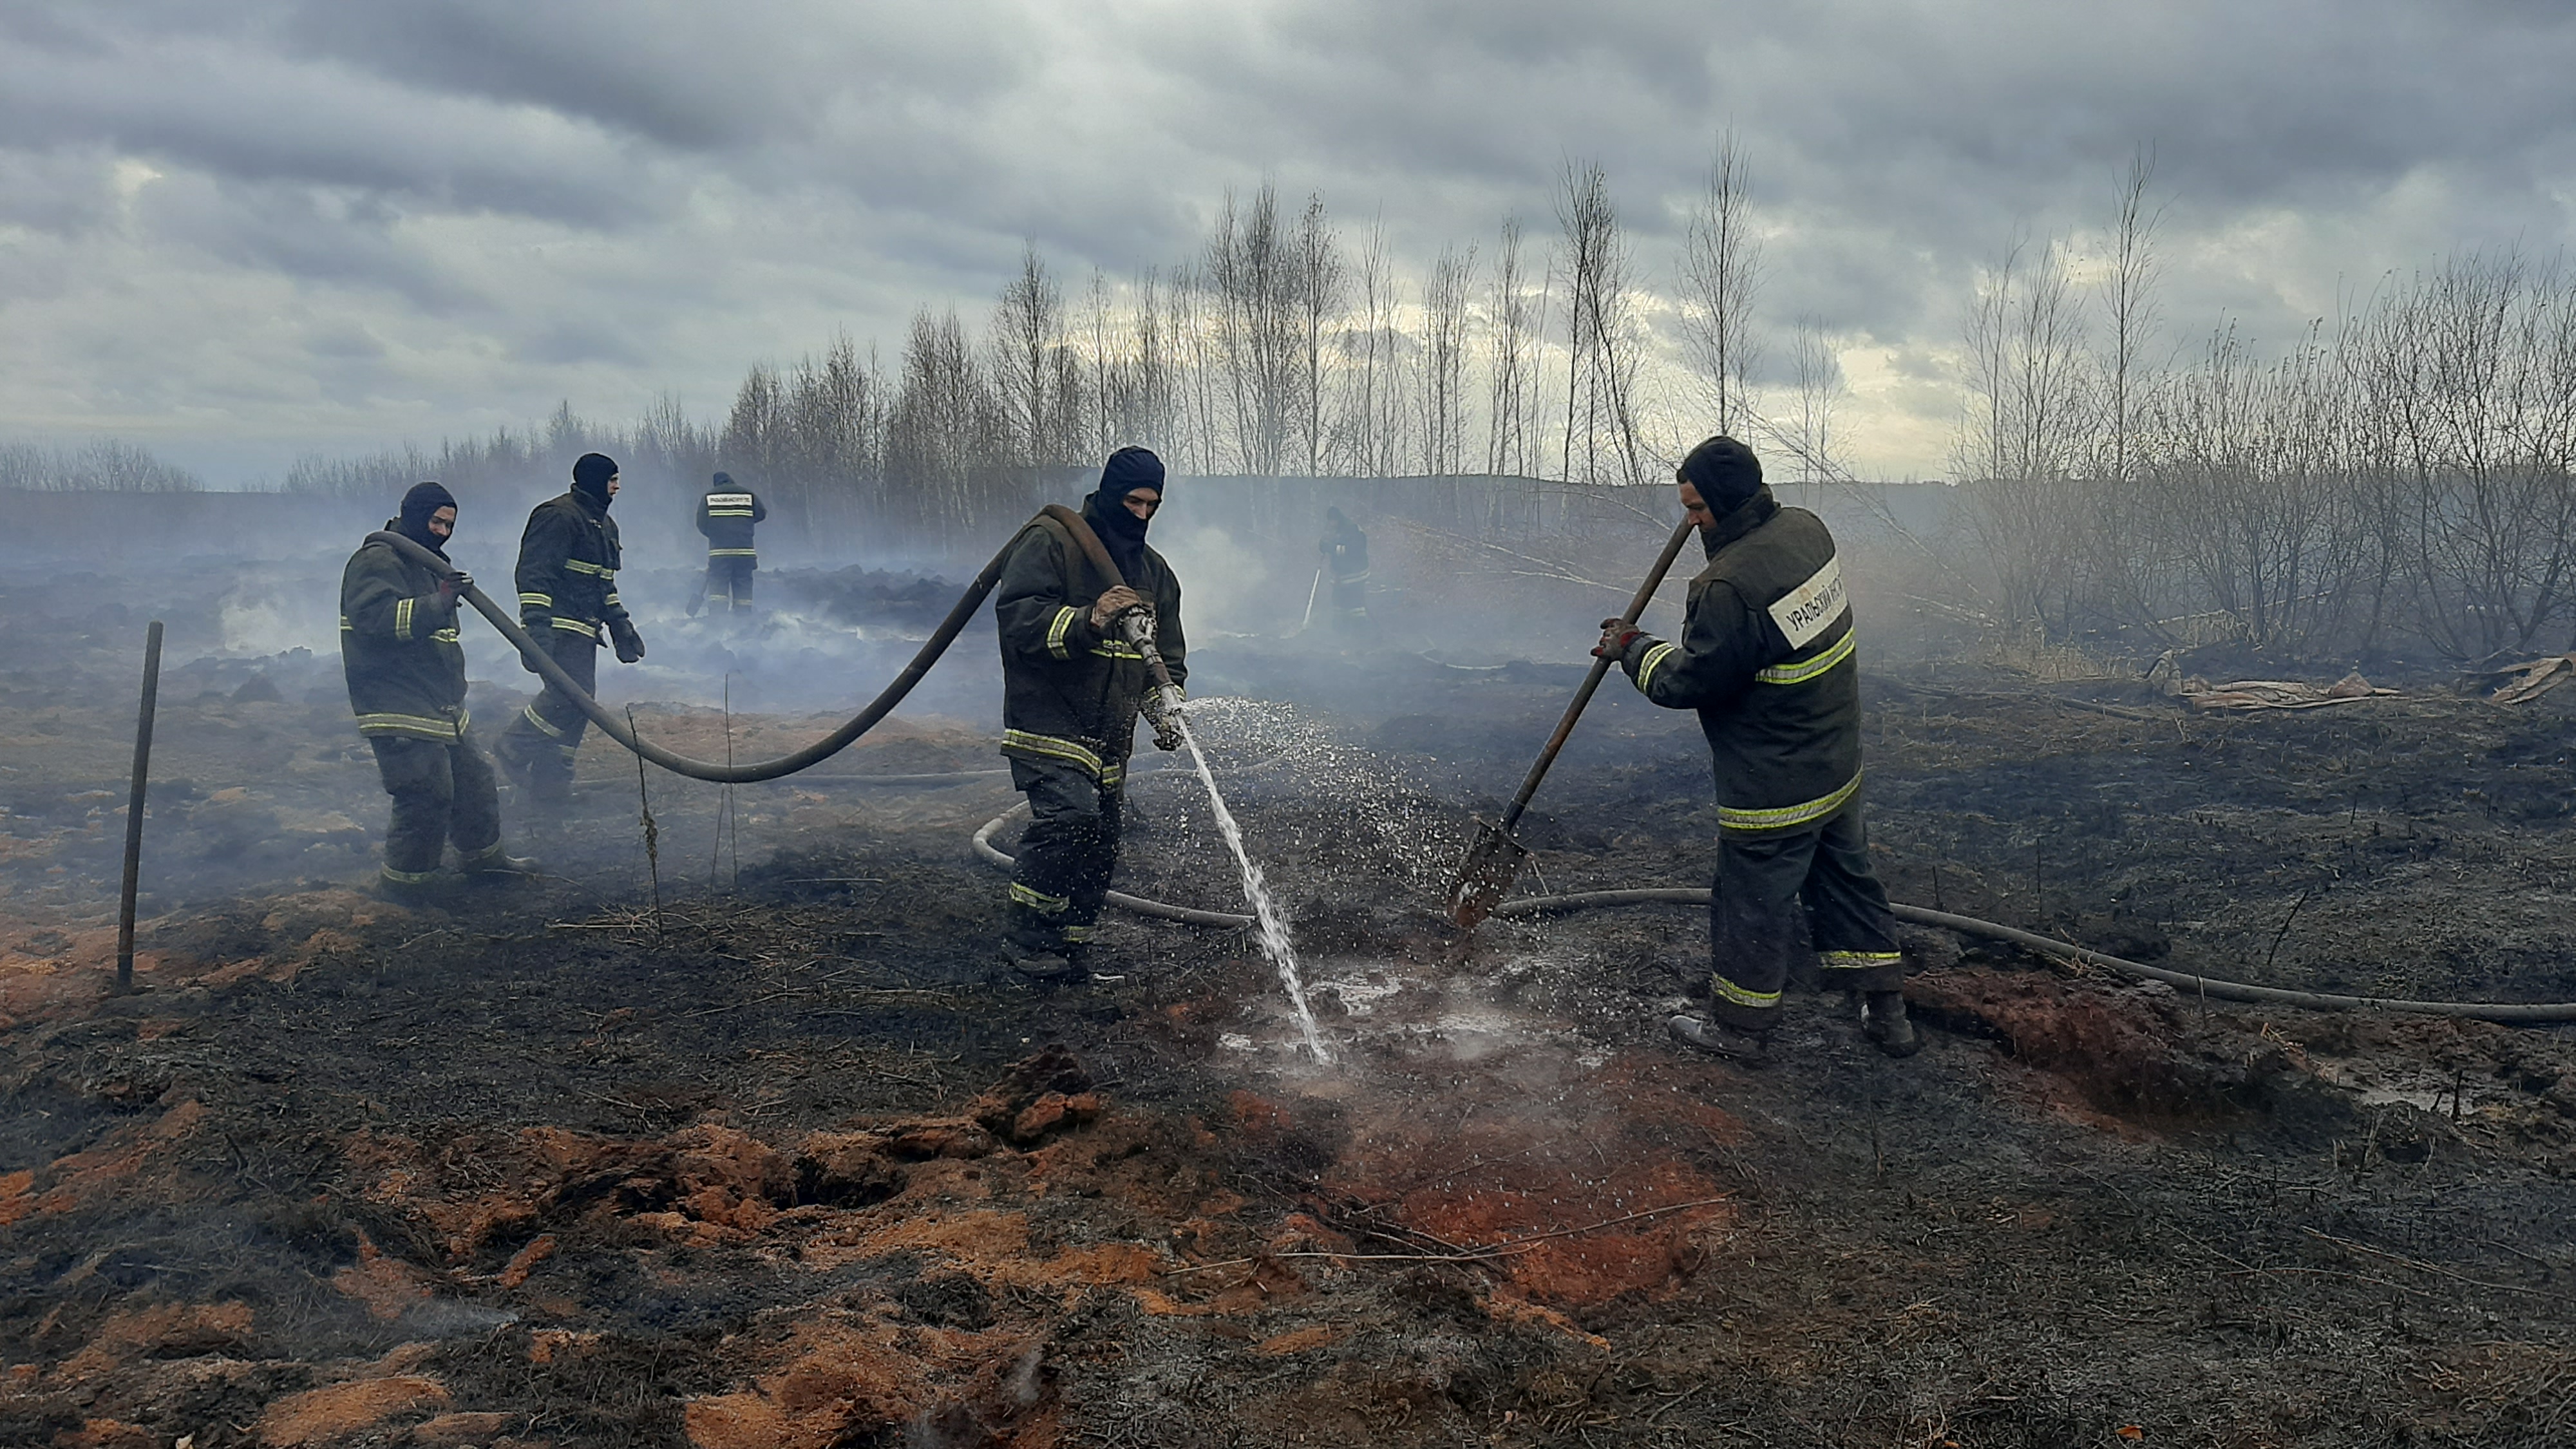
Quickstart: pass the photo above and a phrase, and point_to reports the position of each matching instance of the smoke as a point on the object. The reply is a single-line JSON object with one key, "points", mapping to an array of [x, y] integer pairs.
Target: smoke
{"points": [[269, 613], [1220, 581]]}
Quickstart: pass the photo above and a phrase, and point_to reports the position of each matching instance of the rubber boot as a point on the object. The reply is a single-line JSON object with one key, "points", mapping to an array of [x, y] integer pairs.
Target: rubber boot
{"points": [[1884, 1022], [498, 862], [427, 888], [1751, 1048]]}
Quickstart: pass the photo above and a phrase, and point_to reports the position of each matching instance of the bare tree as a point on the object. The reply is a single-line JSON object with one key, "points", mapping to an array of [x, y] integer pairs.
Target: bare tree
{"points": [[2129, 300], [1321, 285], [1028, 326], [1444, 361], [1507, 439], [1816, 374], [1721, 271], [1601, 365], [2025, 424]]}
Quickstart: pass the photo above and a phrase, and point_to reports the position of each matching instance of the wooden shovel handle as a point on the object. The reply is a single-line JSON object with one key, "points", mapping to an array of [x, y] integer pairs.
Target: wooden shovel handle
{"points": [[1600, 668]]}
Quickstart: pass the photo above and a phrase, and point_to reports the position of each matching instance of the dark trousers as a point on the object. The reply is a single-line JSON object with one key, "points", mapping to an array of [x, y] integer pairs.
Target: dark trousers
{"points": [[1066, 854], [729, 581], [1350, 604], [547, 734], [441, 793], [1762, 878]]}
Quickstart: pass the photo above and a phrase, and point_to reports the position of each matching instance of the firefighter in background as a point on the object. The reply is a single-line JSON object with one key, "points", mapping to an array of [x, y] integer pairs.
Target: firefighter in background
{"points": [[1072, 688], [406, 673], [726, 516], [1766, 658], [567, 600], [1345, 551]]}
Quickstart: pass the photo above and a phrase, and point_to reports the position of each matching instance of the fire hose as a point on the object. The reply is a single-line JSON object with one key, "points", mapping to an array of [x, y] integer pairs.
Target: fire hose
{"points": [[814, 754], [946, 634], [2209, 987]]}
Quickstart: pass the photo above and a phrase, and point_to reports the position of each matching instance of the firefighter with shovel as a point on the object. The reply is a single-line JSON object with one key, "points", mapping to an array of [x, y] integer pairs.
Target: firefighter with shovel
{"points": [[1765, 656]]}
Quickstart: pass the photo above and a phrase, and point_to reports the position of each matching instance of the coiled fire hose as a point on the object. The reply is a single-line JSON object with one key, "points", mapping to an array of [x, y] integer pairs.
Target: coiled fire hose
{"points": [[2209, 987], [949, 628], [813, 754]]}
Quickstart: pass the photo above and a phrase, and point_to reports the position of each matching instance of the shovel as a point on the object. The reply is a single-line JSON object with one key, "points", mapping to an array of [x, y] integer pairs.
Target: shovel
{"points": [[1494, 861]]}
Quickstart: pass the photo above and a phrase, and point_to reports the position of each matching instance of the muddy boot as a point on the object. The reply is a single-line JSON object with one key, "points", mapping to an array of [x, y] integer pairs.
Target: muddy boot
{"points": [[417, 888], [497, 863], [1042, 961], [1750, 1048], [1884, 1022]]}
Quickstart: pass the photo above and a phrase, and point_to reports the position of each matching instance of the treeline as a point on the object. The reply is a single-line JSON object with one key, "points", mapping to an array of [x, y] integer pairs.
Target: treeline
{"points": [[2397, 479], [102, 465]]}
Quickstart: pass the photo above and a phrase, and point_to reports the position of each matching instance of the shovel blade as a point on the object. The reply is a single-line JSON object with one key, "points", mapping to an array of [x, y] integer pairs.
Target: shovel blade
{"points": [[1492, 864]]}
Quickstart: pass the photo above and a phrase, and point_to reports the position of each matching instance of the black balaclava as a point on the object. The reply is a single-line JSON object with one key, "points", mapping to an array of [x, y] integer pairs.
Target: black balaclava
{"points": [[423, 500], [1725, 472], [723, 482], [1122, 532], [1340, 524], [590, 475]]}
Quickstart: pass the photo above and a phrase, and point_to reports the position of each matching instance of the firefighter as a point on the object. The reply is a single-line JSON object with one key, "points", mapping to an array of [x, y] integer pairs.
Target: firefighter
{"points": [[1766, 658], [726, 516], [406, 672], [567, 597], [1345, 551], [1072, 688]]}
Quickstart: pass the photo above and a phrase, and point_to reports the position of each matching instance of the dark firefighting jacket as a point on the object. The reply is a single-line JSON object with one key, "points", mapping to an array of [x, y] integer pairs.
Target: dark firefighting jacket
{"points": [[726, 518], [1070, 692], [1766, 658], [568, 568], [399, 649], [1345, 552]]}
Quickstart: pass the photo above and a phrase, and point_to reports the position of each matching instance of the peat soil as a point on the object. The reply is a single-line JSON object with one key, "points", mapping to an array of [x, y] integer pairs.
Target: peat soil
{"points": [[740, 1139]]}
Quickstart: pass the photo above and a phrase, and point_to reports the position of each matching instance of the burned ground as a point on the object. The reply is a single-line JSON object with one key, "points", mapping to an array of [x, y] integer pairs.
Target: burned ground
{"points": [[763, 1154]]}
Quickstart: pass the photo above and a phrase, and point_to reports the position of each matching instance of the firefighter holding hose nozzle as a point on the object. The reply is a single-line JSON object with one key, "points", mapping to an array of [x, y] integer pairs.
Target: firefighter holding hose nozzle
{"points": [[406, 673], [567, 577], [1075, 676], [1766, 658]]}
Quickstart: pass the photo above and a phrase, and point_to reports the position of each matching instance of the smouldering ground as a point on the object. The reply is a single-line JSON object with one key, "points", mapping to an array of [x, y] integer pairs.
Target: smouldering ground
{"points": [[783, 1163]]}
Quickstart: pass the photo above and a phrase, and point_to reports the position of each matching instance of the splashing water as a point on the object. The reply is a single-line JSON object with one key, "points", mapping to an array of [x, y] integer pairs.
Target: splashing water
{"points": [[1274, 932]]}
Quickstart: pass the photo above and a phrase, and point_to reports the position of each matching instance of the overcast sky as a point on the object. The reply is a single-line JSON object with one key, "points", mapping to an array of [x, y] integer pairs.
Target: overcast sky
{"points": [[244, 231]]}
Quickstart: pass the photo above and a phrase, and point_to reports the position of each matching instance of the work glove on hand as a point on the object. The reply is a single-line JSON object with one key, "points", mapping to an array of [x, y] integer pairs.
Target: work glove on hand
{"points": [[1163, 709], [1616, 636], [630, 645], [529, 664], [453, 587], [1114, 603]]}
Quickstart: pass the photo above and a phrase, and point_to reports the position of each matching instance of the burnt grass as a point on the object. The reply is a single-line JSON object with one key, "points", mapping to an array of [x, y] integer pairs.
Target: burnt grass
{"points": [[741, 1156]]}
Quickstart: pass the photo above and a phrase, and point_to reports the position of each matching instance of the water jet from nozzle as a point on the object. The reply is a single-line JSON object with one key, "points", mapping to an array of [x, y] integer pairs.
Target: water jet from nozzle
{"points": [[1272, 931]]}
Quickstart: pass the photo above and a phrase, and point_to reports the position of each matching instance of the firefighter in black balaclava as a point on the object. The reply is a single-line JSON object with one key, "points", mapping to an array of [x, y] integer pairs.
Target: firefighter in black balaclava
{"points": [[1345, 551], [726, 516], [1766, 657], [406, 673], [567, 597], [1072, 687]]}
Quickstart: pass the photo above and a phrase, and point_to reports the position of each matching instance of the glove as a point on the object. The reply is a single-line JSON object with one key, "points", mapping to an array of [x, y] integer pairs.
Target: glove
{"points": [[529, 664], [1163, 709], [1616, 636], [630, 645], [453, 586], [1112, 604]]}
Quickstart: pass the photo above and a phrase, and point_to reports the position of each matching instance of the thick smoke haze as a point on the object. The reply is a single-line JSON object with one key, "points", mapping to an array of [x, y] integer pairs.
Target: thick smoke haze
{"points": [[242, 233]]}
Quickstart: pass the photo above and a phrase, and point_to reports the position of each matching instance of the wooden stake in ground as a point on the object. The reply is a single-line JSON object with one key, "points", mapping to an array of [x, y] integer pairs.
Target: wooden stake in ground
{"points": [[134, 807], [652, 831]]}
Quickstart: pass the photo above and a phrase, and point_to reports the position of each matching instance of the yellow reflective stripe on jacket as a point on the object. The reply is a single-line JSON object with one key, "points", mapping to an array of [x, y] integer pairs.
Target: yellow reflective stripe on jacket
{"points": [[598, 571], [733, 553], [402, 618], [611, 602], [1653, 661], [531, 716], [1063, 620], [1732, 817], [1052, 748], [536, 601], [416, 725], [448, 635], [1038, 900], [1118, 649], [1858, 960], [1735, 995], [1802, 670], [587, 631]]}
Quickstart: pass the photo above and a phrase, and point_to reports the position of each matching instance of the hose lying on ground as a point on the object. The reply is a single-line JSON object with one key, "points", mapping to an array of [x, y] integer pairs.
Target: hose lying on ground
{"points": [[813, 754], [2205, 986]]}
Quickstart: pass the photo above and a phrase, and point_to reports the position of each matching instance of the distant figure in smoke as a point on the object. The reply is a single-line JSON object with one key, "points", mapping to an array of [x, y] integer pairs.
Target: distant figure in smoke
{"points": [[1072, 687], [1345, 551], [406, 672], [567, 597], [1766, 658], [726, 516]]}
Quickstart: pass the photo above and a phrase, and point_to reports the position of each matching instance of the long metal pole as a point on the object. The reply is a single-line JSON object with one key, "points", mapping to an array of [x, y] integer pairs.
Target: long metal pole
{"points": [[134, 807]]}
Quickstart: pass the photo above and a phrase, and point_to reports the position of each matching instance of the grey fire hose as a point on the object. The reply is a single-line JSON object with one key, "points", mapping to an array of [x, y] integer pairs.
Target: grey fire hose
{"points": [[813, 754], [2205, 986]]}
